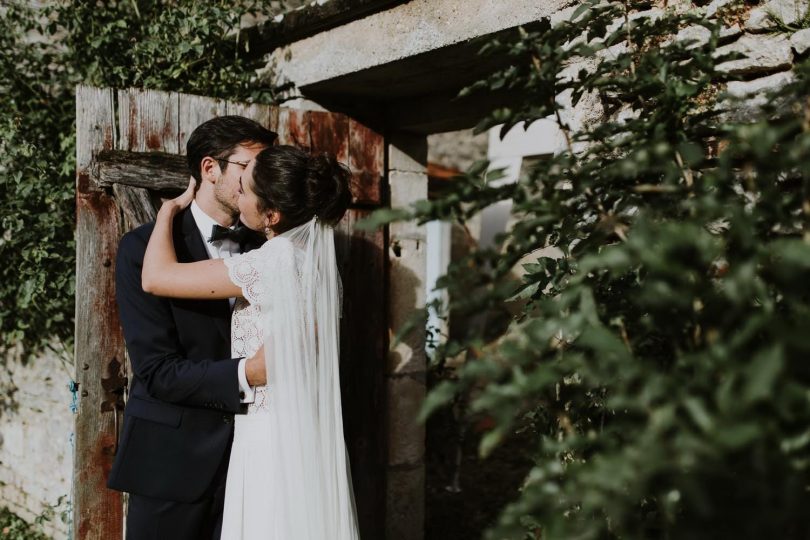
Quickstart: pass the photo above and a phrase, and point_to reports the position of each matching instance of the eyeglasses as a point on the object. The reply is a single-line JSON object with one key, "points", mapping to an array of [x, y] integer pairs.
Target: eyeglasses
{"points": [[242, 164]]}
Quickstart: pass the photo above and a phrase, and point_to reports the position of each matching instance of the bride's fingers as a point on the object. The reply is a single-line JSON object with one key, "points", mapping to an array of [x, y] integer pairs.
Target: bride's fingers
{"points": [[188, 195]]}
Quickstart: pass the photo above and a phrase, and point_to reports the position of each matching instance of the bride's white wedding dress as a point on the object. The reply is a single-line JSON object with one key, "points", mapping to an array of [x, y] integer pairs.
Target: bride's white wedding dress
{"points": [[288, 477]]}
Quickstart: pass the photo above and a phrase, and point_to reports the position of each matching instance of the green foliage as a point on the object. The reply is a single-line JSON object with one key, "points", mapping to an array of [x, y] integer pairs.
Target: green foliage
{"points": [[14, 528], [660, 361], [45, 52]]}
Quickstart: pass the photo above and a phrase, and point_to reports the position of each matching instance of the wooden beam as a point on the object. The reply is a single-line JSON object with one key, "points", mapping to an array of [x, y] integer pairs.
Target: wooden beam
{"points": [[135, 204], [151, 170]]}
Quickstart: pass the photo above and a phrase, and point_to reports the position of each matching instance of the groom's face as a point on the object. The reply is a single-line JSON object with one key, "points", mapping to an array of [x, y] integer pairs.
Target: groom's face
{"points": [[226, 188]]}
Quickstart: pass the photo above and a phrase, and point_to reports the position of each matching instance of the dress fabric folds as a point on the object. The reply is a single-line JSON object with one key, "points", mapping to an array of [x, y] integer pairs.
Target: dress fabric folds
{"points": [[288, 476]]}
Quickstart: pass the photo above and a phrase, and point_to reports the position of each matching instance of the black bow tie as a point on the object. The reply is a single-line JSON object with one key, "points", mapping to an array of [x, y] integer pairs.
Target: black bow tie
{"points": [[238, 234]]}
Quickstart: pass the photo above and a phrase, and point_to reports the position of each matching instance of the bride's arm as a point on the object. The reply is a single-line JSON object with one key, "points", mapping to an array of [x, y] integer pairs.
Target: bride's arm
{"points": [[162, 275]]}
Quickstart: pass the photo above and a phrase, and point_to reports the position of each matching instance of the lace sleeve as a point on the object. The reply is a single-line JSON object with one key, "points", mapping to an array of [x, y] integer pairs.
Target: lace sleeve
{"points": [[250, 270]]}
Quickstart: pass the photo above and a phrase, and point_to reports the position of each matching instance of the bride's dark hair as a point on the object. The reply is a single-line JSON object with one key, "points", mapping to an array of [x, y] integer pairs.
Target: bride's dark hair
{"points": [[299, 186]]}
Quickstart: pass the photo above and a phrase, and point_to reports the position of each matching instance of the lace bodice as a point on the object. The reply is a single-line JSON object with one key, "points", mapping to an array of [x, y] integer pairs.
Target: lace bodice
{"points": [[246, 334]]}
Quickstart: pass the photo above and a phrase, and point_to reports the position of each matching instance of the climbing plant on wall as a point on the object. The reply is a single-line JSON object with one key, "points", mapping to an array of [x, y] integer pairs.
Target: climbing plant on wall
{"points": [[45, 52], [658, 355]]}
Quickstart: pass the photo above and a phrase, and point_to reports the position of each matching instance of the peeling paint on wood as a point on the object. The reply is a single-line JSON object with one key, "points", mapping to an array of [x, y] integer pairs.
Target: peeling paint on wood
{"points": [[329, 133], [293, 128], [367, 163], [148, 121], [98, 512]]}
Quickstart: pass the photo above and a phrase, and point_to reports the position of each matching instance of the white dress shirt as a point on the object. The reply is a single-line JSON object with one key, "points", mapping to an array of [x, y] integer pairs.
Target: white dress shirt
{"points": [[222, 249]]}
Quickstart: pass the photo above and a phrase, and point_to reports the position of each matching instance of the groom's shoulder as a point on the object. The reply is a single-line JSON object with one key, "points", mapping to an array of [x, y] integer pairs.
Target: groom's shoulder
{"points": [[137, 237], [135, 240]]}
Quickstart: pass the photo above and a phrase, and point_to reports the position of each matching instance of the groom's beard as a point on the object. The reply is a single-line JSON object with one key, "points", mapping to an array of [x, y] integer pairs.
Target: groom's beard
{"points": [[230, 207]]}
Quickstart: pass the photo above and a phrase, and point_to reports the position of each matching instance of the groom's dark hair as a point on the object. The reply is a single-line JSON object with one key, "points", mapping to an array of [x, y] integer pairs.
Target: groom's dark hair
{"points": [[219, 136]]}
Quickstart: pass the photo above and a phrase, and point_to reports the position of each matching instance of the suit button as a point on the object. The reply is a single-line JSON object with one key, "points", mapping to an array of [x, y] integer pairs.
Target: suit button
{"points": [[227, 419]]}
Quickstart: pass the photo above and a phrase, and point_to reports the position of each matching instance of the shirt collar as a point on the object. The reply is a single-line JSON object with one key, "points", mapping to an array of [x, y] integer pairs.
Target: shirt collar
{"points": [[204, 222]]}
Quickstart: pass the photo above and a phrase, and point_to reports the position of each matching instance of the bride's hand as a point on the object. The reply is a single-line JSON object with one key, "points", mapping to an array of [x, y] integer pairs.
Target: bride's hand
{"points": [[255, 370], [183, 200]]}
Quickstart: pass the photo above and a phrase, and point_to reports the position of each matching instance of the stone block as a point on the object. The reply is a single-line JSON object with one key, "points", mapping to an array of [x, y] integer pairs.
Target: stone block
{"points": [[751, 96], [700, 35], [786, 11], [405, 504], [405, 189], [715, 5], [760, 85], [407, 152], [762, 54], [406, 436], [406, 296], [800, 41]]}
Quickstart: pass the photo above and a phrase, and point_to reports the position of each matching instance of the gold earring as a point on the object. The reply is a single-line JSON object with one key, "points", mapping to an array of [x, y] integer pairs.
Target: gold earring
{"points": [[267, 231]]}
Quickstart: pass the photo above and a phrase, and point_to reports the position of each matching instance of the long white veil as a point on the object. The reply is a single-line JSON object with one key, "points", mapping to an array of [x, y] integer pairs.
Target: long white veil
{"points": [[312, 497]]}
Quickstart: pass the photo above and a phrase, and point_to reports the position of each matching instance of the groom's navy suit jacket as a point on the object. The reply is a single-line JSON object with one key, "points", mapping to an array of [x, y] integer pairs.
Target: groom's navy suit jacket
{"points": [[184, 389]]}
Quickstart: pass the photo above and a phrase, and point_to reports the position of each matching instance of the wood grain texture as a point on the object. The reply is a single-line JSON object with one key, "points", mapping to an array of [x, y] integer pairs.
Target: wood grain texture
{"points": [[99, 346], [367, 162], [95, 126], [152, 170], [262, 114], [135, 205], [193, 111], [329, 132], [293, 128], [148, 121]]}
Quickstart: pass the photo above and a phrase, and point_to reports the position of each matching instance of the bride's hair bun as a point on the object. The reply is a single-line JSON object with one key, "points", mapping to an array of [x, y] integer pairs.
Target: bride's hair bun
{"points": [[299, 185], [327, 192]]}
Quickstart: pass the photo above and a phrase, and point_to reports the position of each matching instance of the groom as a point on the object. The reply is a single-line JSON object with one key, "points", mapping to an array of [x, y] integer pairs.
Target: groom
{"points": [[185, 389]]}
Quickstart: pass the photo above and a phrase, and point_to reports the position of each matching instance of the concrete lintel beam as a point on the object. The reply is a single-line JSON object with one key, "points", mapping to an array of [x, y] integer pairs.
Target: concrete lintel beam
{"points": [[401, 32]]}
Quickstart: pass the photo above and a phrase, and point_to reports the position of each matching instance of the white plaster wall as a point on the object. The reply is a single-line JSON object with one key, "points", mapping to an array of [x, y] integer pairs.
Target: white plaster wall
{"points": [[36, 426]]}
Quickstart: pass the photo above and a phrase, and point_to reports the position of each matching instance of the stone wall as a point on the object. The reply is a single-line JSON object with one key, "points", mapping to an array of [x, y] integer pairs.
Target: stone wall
{"points": [[36, 426], [457, 149]]}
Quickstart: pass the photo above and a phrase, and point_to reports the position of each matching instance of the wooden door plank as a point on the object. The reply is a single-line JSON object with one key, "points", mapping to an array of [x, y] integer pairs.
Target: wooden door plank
{"points": [[149, 121], [99, 348], [367, 163], [265, 115], [329, 133], [293, 128], [193, 111]]}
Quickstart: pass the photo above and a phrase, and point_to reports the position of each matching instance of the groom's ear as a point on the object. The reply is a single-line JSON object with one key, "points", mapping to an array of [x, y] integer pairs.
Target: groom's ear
{"points": [[209, 169]]}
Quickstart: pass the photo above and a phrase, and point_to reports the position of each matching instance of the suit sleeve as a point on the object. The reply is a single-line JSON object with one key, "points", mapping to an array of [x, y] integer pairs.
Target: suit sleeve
{"points": [[154, 348]]}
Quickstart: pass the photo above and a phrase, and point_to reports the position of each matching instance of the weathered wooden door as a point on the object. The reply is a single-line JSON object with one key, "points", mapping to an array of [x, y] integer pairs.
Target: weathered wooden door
{"points": [[130, 146]]}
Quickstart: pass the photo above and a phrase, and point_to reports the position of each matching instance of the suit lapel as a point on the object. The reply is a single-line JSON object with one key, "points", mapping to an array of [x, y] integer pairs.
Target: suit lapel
{"points": [[221, 309]]}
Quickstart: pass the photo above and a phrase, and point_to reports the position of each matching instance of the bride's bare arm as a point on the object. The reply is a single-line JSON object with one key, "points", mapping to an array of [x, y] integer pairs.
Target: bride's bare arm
{"points": [[162, 275]]}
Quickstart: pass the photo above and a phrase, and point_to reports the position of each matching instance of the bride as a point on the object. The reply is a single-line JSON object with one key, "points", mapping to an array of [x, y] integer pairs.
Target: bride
{"points": [[288, 477]]}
